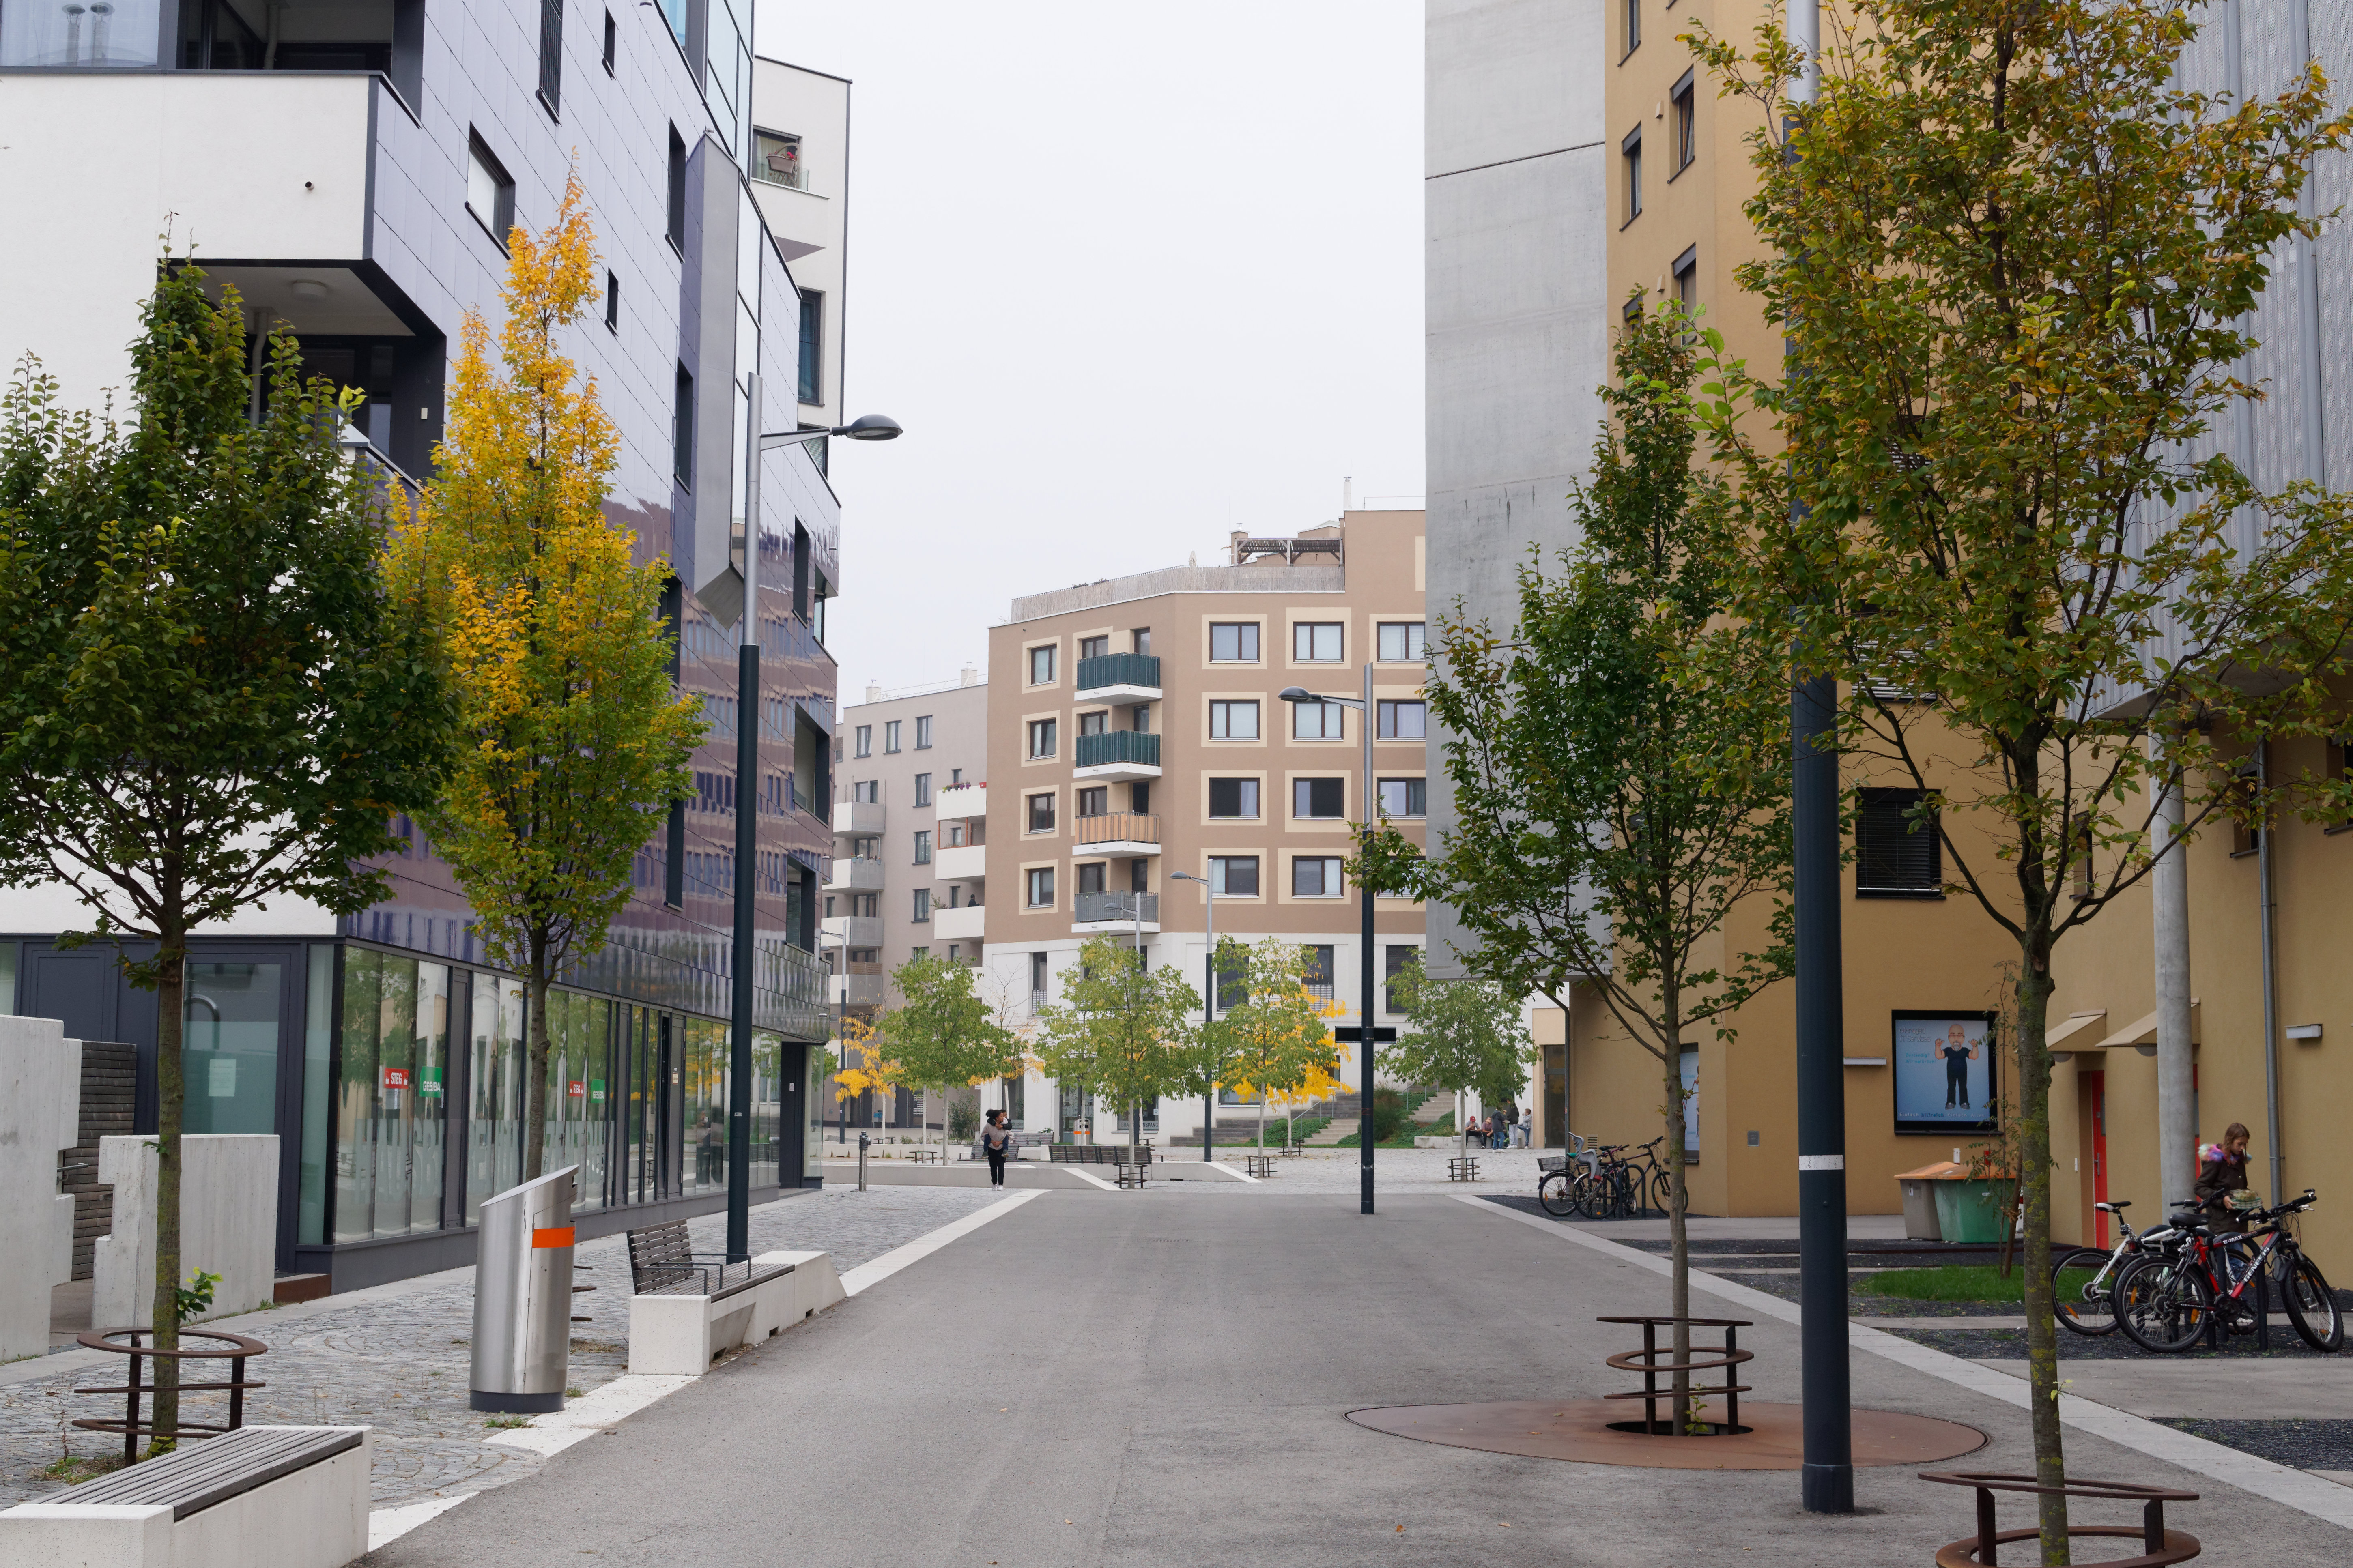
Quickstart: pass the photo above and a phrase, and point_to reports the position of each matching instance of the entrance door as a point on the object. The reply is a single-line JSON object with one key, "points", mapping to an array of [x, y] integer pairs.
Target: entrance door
{"points": [[2096, 1094]]}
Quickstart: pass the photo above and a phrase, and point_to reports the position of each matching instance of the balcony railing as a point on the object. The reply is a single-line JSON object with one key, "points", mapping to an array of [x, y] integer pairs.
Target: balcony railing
{"points": [[1119, 669], [1119, 746], [1093, 908], [1120, 827]]}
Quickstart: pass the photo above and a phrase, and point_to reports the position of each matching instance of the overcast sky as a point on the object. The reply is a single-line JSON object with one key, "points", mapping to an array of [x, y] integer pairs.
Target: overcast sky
{"points": [[1131, 276]]}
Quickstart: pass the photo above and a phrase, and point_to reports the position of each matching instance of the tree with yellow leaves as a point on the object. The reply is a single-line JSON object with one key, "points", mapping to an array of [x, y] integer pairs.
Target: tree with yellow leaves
{"points": [[573, 743], [1275, 1041], [871, 1070]]}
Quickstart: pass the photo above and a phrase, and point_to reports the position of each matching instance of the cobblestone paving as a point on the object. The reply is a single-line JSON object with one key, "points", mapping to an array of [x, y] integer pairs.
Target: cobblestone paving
{"points": [[399, 1364]]}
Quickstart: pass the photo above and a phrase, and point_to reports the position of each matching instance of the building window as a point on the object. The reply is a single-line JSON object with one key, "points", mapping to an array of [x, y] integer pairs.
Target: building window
{"points": [[681, 430], [1319, 797], [1094, 723], [890, 736], [1041, 666], [1896, 854], [612, 43], [1316, 642], [1041, 737], [1630, 152], [676, 212], [612, 302], [1041, 814], [1633, 27], [1315, 876], [1686, 271], [1038, 979], [1236, 798], [865, 740], [923, 788], [1401, 642], [1233, 721], [1395, 960], [1141, 640], [776, 159], [1233, 642], [923, 899], [490, 193], [1318, 722], [1405, 797], [1403, 720], [551, 55], [867, 792], [1685, 99], [924, 733], [1234, 876], [812, 366], [1094, 801], [1041, 889], [1091, 877], [923, 848], [1095, 648]]}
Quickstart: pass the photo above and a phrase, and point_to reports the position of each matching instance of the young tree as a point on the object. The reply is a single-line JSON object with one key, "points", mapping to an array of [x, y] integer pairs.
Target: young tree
{"points": [[575, 741], [1121, 1033], [2018, 258], [1276, 1038], [1463, 1035], [872, 1070], [207, 697], [943, 1036], [1620, 765]]}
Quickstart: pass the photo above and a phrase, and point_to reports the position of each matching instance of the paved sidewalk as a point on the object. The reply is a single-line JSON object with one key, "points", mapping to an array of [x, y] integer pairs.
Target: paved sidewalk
{"points": [[397, 1357]]}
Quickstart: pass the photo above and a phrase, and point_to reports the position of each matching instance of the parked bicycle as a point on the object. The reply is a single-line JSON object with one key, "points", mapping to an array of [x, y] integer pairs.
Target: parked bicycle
{"points": [[1561, 1175], [2187, 1275], [2082, 1282]]}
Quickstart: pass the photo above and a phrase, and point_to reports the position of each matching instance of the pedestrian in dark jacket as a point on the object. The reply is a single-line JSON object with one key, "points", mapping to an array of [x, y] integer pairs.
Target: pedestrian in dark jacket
{"points": [[2222, 1173], [997, 1142]]}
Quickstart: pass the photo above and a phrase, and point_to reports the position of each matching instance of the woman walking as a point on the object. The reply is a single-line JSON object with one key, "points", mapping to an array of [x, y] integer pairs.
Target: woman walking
{"points": [[996, 1141]]}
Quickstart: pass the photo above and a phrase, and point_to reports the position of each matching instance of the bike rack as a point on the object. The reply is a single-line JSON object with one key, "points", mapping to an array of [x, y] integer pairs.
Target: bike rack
{"points": [[1646, 1361], [2160, 1547]]}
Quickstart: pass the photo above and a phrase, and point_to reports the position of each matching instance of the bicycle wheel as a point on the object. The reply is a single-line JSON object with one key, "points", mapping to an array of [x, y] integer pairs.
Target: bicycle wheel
{"points": [[1555, 1192], [1621, 1194], [2312, 1307], [1590, 1194], [2080, 1295], [1662, 1194], [2163, 1306]]}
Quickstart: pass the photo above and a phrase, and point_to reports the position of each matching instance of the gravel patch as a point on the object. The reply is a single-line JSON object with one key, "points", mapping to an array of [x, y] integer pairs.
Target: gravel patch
{"points": [[2306, 1445], [2009, 1344]]}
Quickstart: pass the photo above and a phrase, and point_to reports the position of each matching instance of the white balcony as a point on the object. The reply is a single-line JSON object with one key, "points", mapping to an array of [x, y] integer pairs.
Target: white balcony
{"points": [[862, 987], [967, 924], [859, 874], [960, 800], [855, 930], [960, 863], [858, 816]]}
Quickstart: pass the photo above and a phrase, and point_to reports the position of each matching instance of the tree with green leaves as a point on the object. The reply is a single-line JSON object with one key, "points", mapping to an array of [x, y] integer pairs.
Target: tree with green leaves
{"points": [[1620, 763], [1121, 1033], [1275, 1040], [208, 699], [943, 1036], [2017, 253], [575, 741], [1461, 1035]]}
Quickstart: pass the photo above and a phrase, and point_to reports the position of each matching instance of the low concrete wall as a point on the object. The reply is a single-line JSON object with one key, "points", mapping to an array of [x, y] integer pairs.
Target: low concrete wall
{"points": [[679, 1336], [229, 1225], [40, 1096]]}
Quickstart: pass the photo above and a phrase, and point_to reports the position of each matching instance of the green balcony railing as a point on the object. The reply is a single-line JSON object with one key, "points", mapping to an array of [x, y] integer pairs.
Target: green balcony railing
{"points": [[1119, 669], [1119, 746]]}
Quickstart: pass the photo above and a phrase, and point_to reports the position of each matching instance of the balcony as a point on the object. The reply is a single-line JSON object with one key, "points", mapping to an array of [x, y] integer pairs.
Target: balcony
{"points": [[1117, 755], [858, 816], [1092, 913], [1120, 832], [967, 923], [861, 874], [959, 801], [1119, 677], [960, 863], [855, 930], [862, 987]]}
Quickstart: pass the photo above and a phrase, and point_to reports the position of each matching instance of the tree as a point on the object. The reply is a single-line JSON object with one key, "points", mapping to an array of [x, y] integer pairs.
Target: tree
{"points": [[2018, 258], [207, 697], [1463, 1035], [944, 1036], [1121, 1033], [872, 1070], [575, 739], [1620, 765], [1276, 1038]]}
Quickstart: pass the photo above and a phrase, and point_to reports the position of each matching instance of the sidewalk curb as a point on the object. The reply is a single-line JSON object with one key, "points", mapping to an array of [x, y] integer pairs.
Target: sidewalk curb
{"points": [[2322, 1499]]}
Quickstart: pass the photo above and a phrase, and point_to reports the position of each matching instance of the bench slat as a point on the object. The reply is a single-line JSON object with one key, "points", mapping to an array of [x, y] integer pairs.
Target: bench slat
{"points": [[197, 1477]]}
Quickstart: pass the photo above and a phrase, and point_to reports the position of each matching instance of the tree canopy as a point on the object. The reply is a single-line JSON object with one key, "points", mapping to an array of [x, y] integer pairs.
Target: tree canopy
{"points": [[1121, 1033]]}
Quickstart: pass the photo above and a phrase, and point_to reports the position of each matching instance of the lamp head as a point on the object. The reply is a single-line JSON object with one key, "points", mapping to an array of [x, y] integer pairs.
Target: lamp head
{"points": [[869, 427], [1183, 877], [1298, 694]]}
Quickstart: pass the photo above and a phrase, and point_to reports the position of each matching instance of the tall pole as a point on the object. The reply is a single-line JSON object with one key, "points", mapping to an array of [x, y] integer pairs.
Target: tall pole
{"points": [[2267, 891], [1827, 1477], [747, 853], [2169, 881], [1208, 1017], [1364, 1036]]}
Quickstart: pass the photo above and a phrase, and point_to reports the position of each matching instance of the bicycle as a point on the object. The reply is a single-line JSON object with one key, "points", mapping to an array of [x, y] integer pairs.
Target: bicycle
{"points": [[1557, 1187], [2088, 1305], [1614, 1190], [2166, 1300], [1654, 1187]]}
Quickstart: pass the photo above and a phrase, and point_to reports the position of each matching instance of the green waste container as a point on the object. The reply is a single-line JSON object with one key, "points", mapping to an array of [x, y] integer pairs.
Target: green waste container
{"points": [[1971, 1211]]}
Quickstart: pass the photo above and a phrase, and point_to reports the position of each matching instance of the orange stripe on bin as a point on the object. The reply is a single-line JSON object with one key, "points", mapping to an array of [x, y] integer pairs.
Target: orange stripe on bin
{"points": [[553, 1236]]}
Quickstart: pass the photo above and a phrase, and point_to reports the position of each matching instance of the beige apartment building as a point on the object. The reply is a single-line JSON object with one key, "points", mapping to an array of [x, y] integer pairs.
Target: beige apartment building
{"points": [[1135, 731]]}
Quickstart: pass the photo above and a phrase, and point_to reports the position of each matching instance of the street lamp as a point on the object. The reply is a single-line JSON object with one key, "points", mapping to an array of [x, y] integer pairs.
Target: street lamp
{"points": [[1365, 893], [872, 427], [1208, 1009]]}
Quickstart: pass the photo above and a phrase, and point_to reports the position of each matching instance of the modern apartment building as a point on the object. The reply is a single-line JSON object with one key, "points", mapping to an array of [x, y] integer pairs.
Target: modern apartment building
{"points": [[1135, 731], [352, 170]]}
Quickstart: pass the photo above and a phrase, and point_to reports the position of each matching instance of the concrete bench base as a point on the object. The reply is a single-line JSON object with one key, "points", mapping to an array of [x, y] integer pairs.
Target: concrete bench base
{"points": [[680, 1336], [315, 1517]]}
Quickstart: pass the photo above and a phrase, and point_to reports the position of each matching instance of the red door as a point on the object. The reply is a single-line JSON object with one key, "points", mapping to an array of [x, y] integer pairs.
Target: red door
{"points": [[2096, 1087]]}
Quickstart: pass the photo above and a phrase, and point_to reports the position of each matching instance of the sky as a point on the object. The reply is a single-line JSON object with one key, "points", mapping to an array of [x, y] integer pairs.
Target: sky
{"points": [[1131, 276]]}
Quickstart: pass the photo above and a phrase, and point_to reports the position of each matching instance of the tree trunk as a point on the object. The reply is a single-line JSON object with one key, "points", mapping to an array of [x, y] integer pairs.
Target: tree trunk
{"points": [[1261, 1120], [171, 1098], [535, 1094], [1678, 1238], [2035, 987]]}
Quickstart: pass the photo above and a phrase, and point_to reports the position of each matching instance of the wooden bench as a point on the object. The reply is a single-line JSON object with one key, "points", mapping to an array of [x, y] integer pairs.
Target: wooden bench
{"points": [[1098, 1155], [690, 1308], [927, 1156], [274, 1497]]}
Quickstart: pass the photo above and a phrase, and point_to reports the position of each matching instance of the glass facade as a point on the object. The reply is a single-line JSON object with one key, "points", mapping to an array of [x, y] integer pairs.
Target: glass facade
{"points": [[229, 1048], [391, 1109]]}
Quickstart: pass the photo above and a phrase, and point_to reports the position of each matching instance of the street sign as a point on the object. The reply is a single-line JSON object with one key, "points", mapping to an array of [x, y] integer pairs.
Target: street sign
{"points": [[1351, 1033]]}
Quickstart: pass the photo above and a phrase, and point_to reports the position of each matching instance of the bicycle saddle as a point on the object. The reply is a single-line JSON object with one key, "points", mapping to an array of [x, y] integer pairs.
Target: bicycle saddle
{"points": [[2118, 1208]]}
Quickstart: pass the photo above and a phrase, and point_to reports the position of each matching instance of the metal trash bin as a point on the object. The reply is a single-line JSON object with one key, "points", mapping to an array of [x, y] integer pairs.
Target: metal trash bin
{"points": [[522, 1297]]}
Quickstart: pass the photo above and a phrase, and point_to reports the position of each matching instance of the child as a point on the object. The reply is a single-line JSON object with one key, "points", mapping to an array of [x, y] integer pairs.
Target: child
{"points": [[2223, 1175]]}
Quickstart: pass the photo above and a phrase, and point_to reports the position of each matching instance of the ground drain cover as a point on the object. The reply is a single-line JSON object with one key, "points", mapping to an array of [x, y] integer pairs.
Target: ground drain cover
{"points": [[1582, 1430]]}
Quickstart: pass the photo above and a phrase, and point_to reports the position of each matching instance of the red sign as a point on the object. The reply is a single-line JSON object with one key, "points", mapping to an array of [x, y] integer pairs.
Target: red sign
{"points": [[396, 1078], [577, 1089]]}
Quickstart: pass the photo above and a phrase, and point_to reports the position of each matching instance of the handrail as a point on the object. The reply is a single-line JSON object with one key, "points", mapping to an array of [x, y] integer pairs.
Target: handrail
{"points": [[1119, 827]]}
